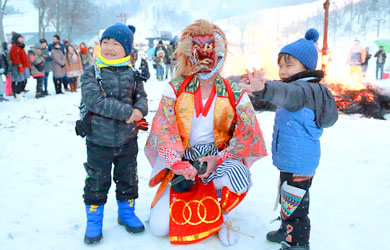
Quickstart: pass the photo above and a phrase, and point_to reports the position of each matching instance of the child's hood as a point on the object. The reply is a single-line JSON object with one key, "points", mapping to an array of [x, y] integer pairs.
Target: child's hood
{"points": [[326, 108], [307, 76], [324, 104]]}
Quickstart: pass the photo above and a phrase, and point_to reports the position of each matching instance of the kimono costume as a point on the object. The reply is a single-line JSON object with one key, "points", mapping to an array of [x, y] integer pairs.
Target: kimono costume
{"points": [[224, 125]]}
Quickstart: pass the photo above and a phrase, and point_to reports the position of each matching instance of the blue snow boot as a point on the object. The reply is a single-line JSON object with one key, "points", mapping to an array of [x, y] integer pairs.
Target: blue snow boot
{"points": [[127, 217], [93, 233]]}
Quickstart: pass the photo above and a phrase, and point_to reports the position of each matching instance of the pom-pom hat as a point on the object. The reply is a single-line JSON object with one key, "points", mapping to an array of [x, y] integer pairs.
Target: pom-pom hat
{"points": [[304, 49], [122, 33]]}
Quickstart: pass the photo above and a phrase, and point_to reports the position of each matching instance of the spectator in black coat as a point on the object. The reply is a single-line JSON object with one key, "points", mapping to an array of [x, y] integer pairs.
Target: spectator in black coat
{"points": [[380, 62], [365, 63], [3, 70]]}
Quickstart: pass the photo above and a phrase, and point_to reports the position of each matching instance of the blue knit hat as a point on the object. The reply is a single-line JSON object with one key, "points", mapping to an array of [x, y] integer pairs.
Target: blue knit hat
{"points": [[304, 49], [122, 33]]}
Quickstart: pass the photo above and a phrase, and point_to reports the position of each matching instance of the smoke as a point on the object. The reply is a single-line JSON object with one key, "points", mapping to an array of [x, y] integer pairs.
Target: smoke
{"points": [[153, 17], [228, 8]]}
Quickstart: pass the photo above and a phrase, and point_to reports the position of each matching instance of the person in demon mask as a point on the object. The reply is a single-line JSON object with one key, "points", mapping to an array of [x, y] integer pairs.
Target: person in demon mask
{"points": [[203, 140]]}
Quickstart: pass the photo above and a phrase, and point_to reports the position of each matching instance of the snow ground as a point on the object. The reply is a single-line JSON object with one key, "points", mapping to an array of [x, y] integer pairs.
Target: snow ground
{"points": [[42, 179]]}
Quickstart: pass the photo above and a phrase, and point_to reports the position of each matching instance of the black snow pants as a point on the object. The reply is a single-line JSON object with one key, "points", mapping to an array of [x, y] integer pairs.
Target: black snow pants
{"points": [[98, 167], [298, 222]]}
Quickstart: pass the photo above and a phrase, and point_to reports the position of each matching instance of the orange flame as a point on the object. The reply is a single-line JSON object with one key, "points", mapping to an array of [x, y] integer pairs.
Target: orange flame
{"points": [[257, 48]]}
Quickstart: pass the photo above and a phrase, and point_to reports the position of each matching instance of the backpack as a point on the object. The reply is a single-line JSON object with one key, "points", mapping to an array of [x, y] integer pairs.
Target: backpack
{"points": [[38, 66], [8, 59], [83, 126]]}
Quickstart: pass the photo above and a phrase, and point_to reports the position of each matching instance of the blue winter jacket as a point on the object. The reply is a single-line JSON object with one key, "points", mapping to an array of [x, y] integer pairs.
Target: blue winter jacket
{"points": [[304, 109], [62, 46], [296, 141]]}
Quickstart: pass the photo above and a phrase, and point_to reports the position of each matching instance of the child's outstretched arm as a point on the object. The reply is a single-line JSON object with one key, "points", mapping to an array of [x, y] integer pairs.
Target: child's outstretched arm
{"points": [[287, 95], [256, 81]]}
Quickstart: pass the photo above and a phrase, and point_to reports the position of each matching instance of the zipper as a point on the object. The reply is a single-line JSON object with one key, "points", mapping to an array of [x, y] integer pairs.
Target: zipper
{"points": [[277, 141], [119, 97]]}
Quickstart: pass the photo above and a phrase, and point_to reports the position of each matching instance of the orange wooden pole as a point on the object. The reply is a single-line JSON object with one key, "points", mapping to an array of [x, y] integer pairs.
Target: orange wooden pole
{"points": [[325, 43]]}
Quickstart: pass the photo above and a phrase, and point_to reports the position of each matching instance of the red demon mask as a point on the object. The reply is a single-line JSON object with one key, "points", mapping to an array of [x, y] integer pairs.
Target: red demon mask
{"points": [[203, 52]]}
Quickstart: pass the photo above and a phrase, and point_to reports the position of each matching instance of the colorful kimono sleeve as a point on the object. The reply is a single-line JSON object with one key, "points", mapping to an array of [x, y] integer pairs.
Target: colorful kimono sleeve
{"points": [[164, 140], [247, 143]]}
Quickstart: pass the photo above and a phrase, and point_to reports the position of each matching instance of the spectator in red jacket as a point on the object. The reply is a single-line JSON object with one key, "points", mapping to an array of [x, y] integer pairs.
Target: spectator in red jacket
{"points": [[356, 56], [20, 69]]}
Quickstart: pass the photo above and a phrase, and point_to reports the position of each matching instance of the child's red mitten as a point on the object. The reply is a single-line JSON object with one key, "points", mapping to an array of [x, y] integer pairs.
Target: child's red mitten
{"points": [[142, 125]]}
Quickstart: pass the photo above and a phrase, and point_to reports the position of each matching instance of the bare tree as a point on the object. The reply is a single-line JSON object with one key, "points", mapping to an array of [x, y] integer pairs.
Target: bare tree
{"points": [[3, 5], [156, 17], [381, 9], [75, 13], [45, 24], [54, 15], [335, 21], [43, 8], [364, 17], [242, 25]]}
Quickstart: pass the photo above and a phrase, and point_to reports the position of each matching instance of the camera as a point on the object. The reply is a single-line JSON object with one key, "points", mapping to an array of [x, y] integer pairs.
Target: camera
{"points": [[200, 166], [181, 185]]}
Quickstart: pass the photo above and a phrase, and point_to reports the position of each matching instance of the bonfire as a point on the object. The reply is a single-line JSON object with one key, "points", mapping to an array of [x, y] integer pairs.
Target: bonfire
{"points": [[352, 95]]}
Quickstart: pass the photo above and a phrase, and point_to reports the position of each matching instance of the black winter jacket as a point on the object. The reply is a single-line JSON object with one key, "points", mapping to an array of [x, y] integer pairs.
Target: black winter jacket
{"points": [[109, 127]]}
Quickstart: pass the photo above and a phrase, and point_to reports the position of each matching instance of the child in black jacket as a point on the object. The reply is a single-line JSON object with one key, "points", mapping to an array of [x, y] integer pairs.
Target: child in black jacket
{"points": [[116, 106]]}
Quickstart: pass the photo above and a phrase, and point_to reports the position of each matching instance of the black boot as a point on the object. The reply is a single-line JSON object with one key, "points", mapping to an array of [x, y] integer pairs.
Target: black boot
{"points": [[58, 89], [279, 235], [60, 86], [57, 85], [39, 91], [286, 246], [13, 87], [24, 90]]}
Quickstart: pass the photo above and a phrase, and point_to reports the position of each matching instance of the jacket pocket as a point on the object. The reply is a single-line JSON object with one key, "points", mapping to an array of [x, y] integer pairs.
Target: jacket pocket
{"points": [[277, 141]]}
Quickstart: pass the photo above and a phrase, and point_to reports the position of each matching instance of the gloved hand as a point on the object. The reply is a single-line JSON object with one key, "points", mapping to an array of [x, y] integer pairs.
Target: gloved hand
{"points": [[181, 165], [20, 68], [84, 126], [2, 70], [185, 169], [142, 125]]}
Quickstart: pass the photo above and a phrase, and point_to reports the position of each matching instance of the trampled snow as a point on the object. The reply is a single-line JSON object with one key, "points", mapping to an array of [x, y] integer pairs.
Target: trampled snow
{"points": [[42, 179]]}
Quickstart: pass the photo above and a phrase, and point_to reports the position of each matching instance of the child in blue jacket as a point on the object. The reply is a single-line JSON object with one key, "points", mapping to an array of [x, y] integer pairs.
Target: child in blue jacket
{"points": [[305, 107]]}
